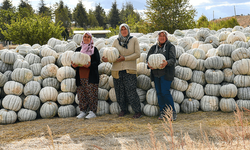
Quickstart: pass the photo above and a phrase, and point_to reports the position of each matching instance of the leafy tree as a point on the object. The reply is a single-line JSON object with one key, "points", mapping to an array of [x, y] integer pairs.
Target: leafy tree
{"points": [[69, 13], [80, 15], [32, 30], [202, 22], [114, 15], [5, 18], [231, 23], [6, 5], [62, 15], [100, 15], [92, 21], [170, 15], [128, 10], [44, 10], [25, 9]]}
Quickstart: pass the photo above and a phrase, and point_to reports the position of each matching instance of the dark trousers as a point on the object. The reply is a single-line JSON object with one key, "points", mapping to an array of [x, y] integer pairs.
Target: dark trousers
{"points": [[164, 96], [125, 90]]}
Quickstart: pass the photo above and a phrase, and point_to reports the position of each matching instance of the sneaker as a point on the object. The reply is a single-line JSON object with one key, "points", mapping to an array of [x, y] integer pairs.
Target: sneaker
{"points": [[122, 113], [81, 115], [137, 115], [174, 116], [161, 116], [90, 115]]}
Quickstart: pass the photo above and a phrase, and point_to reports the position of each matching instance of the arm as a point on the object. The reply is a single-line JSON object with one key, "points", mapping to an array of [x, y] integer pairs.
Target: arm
{"points": [[95, 59], [172, 56], [137, 53]]}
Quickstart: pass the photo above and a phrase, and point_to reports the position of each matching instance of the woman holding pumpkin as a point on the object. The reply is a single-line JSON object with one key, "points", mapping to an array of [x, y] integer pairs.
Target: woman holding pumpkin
{"points": [[87, 78], [124, 71], [163, 77]]}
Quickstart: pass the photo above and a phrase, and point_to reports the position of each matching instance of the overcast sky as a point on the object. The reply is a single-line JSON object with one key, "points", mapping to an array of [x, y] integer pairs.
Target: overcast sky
{"points": [[220, 8]]}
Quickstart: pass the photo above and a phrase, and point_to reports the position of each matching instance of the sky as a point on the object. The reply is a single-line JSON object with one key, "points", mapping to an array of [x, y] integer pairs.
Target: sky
{"points": [[210, 8]]}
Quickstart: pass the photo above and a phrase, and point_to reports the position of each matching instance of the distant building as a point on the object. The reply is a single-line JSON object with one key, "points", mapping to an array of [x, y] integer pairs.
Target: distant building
{"points": [[95, 33]]}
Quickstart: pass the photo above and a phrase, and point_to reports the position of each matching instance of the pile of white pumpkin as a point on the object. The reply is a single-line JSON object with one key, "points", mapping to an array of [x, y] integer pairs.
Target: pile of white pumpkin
{"points": [[212, 73]]}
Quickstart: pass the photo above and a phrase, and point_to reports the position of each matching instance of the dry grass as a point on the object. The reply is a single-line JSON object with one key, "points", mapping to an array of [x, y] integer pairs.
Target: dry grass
{"points": [[232, 136], [200, 130]]}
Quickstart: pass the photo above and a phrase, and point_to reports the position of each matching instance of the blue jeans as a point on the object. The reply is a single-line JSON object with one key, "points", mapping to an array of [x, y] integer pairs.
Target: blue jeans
{"points": [[165, 99]]}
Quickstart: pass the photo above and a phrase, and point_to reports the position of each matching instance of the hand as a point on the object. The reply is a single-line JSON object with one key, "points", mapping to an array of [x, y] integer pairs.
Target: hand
{"points": [[104, 59], [150, 67], [74, 65], [87, 66], [121, 58], [164, 64]]}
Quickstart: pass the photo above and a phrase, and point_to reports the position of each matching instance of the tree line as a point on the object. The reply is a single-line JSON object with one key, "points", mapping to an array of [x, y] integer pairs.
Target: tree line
{"points": [[25, 25]]}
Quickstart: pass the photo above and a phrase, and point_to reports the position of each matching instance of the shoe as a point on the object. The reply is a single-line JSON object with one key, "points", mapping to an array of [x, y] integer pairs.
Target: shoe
{"points": [[90, 115], [174, 116], [161, 116], [122, 114], [137, 115], [81, 115]]}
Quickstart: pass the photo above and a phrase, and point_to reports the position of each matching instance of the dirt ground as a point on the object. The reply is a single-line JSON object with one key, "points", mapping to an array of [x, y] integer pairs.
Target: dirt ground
{"points": [[105, 132]]}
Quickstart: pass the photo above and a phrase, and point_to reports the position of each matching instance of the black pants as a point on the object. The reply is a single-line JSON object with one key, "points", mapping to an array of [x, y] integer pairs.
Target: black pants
{"points": [[125, 90]]}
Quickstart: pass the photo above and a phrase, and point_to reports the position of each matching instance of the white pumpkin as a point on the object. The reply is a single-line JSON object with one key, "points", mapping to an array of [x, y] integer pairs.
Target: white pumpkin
{"points": [[111, 53], [102, 108], [20, 63], [142, 58], [104, 82], [14, 88], [143, 82], [49, 70], [151, 97], [142, 68], [130, 109], [65, 72], [32, 102], [69, 85], [12, 102], [32, 58], [151, 110], [111, 82], [195, 91], [3, 79], [80, 59], [36, 68], [26, 115], [65, 98], [188, 60], [7, 116], [209, 103], [178, 84], [66, 58], [22, 75], [227, 104], [32, 88], [155, 60], [48, 60], [114, 108], [52, 82], [48, 110], [103, 94], [112, 95], [8, 57], [104, 68], [66, 111], [48, 94]]}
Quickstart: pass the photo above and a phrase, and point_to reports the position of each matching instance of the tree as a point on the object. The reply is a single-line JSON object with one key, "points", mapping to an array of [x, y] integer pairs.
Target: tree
{"points": [[61, 15], [44, 10], [92, 21], [7, 5], [5, 18], [25, 9], [170, 15], [100, 15], [202, 22], [80, 15], [128, 10], [32, 30], [114, 15]]}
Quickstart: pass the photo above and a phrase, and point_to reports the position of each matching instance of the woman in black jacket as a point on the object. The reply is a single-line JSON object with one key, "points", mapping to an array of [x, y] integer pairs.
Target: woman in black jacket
{"points": [[164, 77], [87, 79]]}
